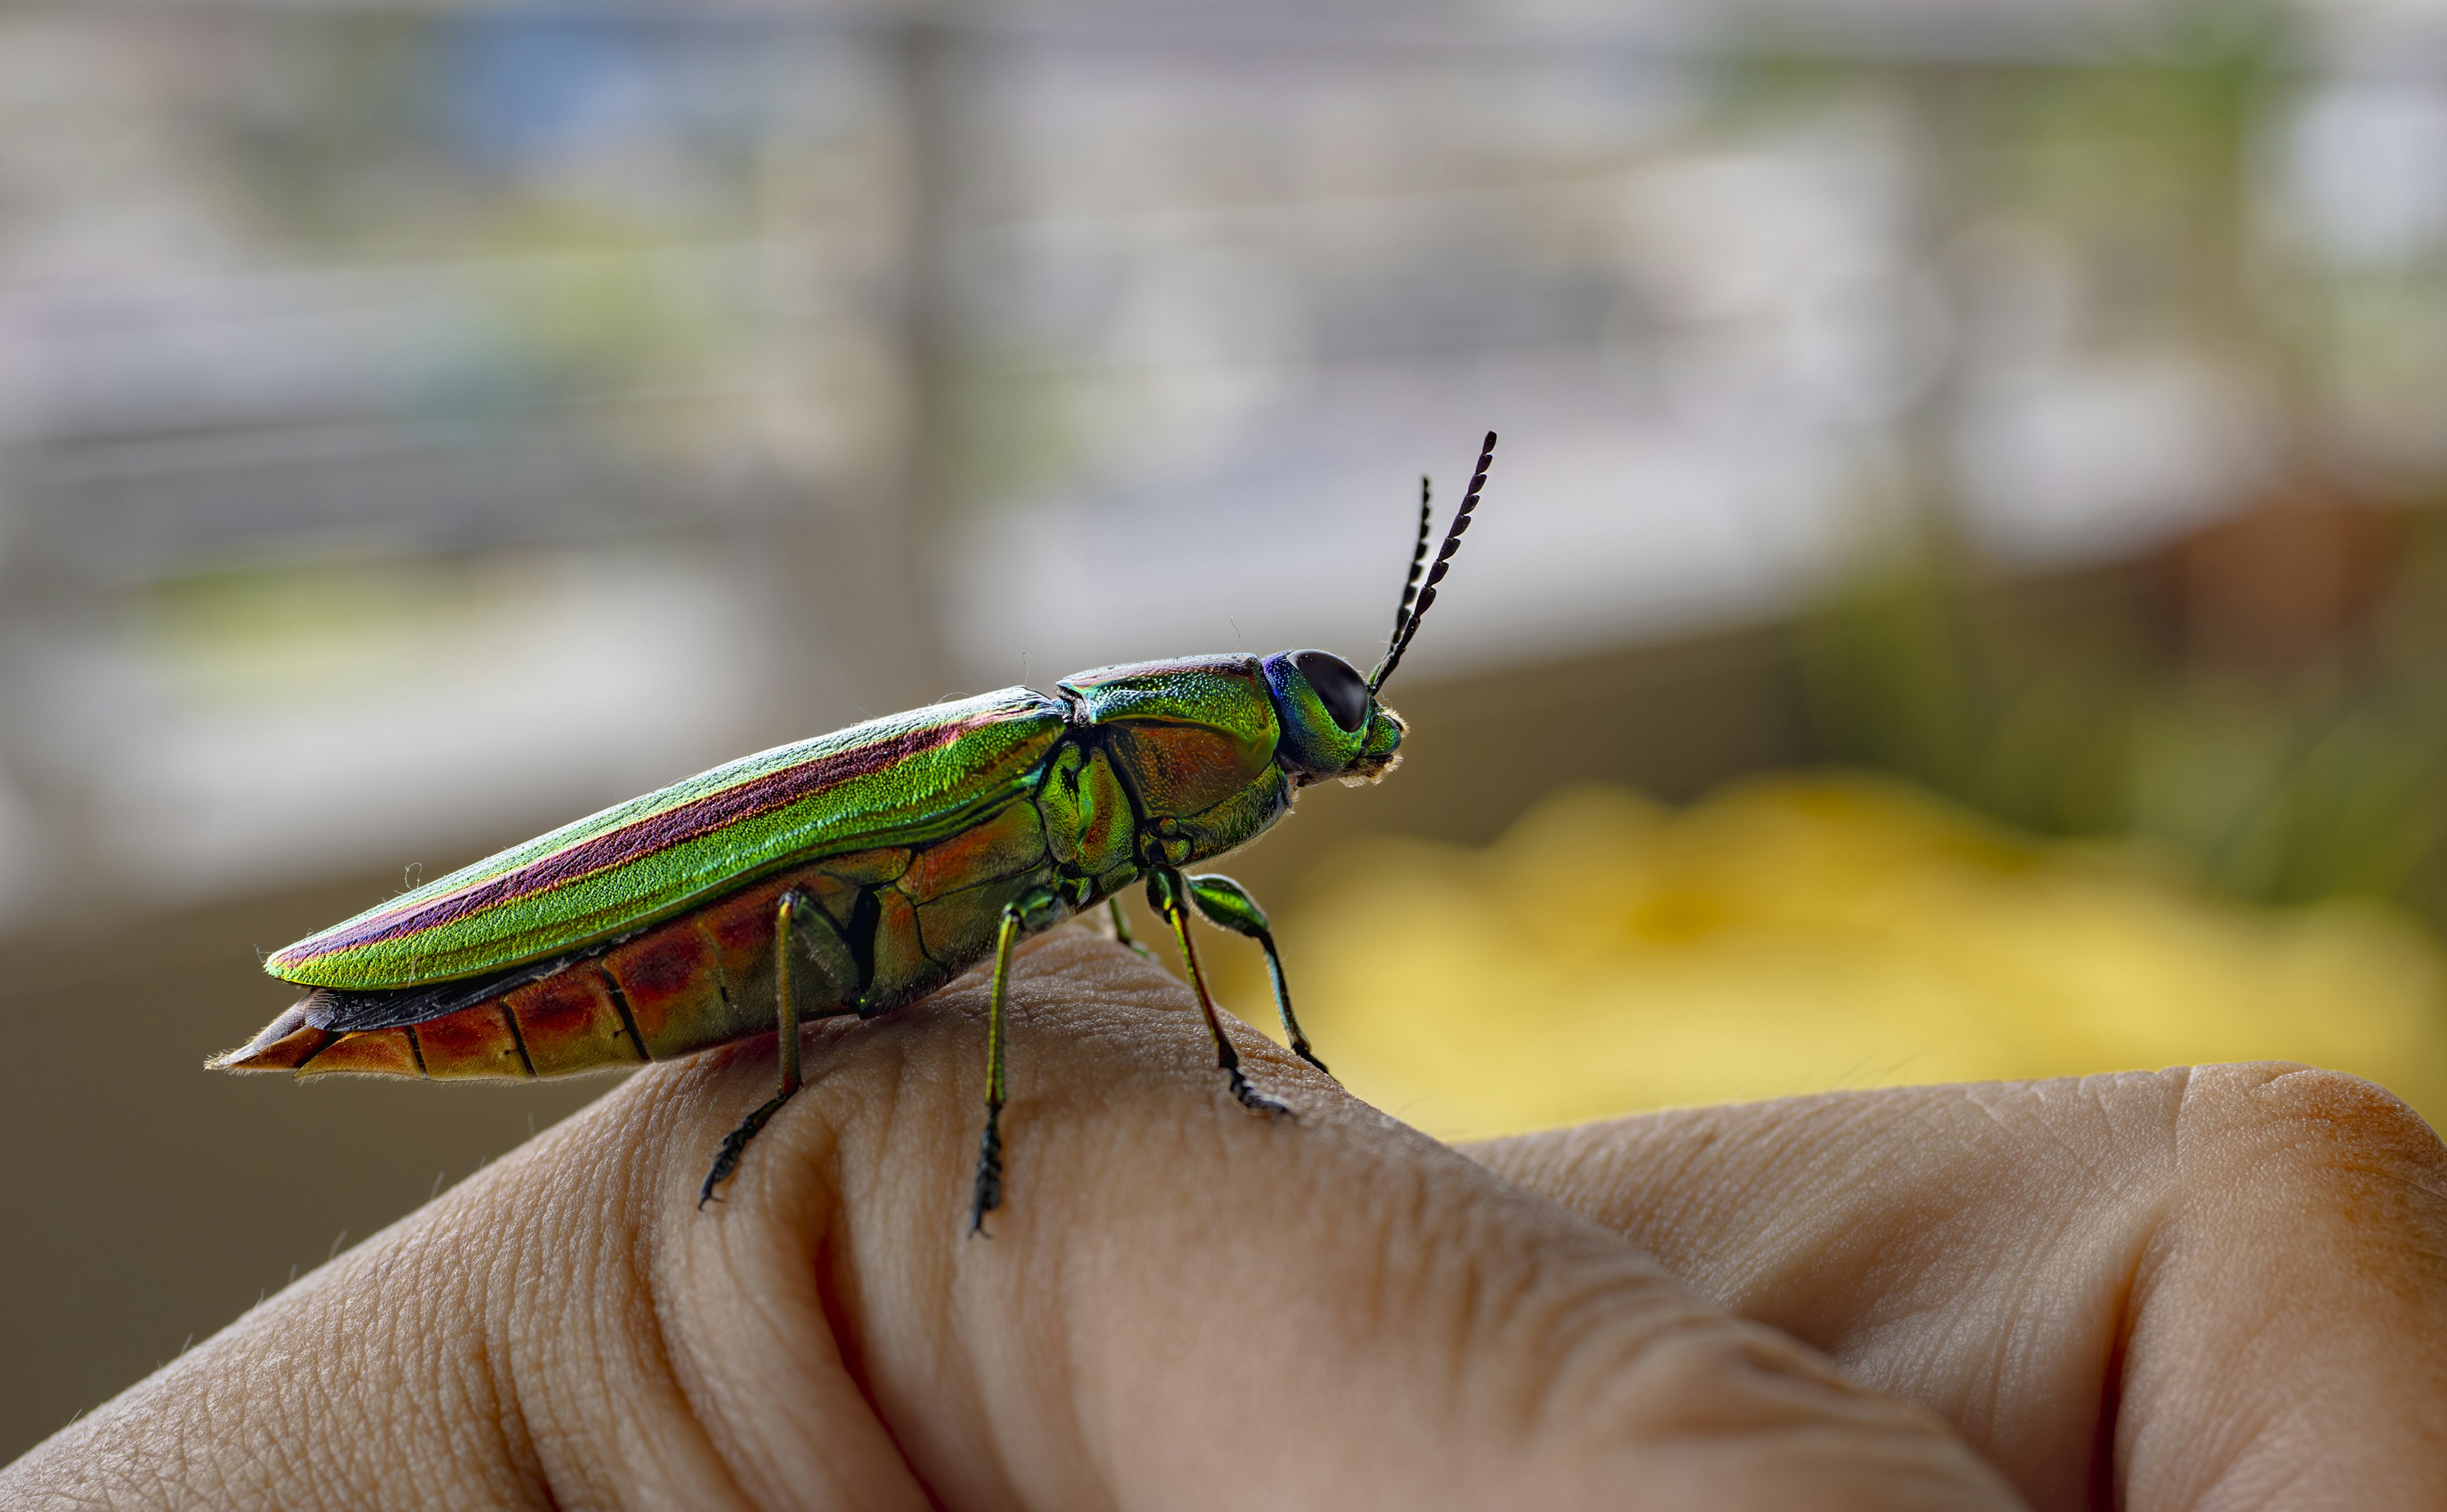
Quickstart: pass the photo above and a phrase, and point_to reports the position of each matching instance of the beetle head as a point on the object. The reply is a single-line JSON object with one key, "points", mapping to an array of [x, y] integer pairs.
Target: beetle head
{"points": [[1332, 724]]}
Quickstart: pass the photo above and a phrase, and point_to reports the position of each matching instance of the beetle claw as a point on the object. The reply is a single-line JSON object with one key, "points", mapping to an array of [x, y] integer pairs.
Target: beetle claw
{"points": [[1257, 1101]]}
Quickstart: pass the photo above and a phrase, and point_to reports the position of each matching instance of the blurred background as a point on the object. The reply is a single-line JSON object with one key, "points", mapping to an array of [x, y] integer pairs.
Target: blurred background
{"points": [[1959, 594]]}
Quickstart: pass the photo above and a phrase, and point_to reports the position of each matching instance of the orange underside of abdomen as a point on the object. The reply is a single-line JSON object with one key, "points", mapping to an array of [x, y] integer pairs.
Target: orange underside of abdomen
{"points": [[703, 979]]}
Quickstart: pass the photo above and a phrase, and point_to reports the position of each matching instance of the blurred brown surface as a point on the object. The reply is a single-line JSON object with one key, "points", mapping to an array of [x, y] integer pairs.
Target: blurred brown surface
{"points": [[156, 1201]]}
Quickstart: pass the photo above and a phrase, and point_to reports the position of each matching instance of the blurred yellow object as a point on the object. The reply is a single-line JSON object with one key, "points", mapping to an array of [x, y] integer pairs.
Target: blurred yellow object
{"points": [[1811, 933]]}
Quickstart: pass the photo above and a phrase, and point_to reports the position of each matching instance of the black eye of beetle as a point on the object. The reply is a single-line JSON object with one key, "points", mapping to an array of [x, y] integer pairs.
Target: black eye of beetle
{"points": [[1344, 692]]}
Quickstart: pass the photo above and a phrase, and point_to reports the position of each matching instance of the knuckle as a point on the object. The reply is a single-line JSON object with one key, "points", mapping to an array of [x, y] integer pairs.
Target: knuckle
{"points": [[2329, 1125]]}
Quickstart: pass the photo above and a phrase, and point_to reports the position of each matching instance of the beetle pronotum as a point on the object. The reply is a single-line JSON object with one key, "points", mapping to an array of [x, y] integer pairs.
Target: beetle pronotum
{"points": [[891, 856]]}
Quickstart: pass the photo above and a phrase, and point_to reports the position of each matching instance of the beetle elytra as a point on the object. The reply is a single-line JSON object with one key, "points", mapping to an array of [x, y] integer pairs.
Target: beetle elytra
{"points": [[853, 873]]}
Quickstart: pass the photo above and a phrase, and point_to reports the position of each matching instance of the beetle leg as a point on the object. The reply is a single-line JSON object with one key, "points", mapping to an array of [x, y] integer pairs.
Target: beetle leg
{"points": [[1122, 928], [989, 1188], [1166, 890], [797, 922], [1227, 905]]}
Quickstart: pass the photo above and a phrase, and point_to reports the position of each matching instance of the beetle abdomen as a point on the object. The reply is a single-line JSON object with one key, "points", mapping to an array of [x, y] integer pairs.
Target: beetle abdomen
{"points": [[703, 979], [910, 779], [911, 918]]}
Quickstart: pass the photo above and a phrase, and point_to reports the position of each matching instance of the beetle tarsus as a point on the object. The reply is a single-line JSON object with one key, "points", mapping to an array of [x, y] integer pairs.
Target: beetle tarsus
{"points": [[735, 1144], [989, 1189], [1254, 1101]]}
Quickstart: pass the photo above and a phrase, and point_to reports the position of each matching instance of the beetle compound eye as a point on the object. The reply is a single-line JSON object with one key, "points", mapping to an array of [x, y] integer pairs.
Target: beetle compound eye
{"points": [[1340, 688]]}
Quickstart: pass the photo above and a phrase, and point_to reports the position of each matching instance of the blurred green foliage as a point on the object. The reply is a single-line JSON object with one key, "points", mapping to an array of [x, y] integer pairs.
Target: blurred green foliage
{"points": [[2261, 700]]}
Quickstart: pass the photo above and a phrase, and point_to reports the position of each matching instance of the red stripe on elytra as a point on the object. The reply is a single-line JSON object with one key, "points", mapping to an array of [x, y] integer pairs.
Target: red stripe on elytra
{"points": [[701, 816]]}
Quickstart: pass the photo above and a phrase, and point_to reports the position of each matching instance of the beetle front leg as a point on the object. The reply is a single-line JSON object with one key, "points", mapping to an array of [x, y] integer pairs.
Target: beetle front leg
{"points": [[797, 922], [1166, 892], [1227, 905]]}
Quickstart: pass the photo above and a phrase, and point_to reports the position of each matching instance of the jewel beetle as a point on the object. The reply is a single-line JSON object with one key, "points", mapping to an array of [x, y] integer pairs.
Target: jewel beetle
{"points": [[855, 873]]}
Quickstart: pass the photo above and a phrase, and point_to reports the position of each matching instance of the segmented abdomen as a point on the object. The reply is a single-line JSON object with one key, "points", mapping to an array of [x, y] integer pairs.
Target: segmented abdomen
{"points": [[911, 917]]}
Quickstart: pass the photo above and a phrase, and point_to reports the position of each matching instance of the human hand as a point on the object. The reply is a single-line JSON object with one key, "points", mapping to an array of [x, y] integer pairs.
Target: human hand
{"points": [[1183, 1304], [2221, 1286]]}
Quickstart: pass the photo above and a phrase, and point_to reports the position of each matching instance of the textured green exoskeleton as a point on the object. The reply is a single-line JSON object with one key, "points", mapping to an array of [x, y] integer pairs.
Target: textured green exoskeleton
{"points": [[852, 873]]}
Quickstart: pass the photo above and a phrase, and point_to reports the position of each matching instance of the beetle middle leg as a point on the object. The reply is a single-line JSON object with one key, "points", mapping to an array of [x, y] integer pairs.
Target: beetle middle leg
{"points": [[1227, 905], [988, 1193], [797, 922], [1031, 910], [1122, 928], [1169, 892]]}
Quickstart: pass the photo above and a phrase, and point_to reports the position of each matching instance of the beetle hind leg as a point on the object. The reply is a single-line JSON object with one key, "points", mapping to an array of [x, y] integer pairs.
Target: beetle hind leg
{"points": [[735, 1144], [797, 923]]}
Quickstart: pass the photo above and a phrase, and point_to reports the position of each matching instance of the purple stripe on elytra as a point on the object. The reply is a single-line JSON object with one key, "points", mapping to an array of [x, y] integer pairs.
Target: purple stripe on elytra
{"points": [[655, 832]]}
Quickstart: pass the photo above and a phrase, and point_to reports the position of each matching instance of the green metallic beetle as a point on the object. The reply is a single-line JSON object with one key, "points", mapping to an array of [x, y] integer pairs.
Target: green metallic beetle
{"points": [[891, 856]]}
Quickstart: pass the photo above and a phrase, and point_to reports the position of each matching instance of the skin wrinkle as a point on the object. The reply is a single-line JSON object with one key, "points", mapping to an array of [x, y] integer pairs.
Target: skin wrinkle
{"points": [[970, 1278], [609, 1321], [858, 1250], [598, 1294], [408, 1346], [1205, 1145], [1597, 1340], [529, 1310], [253, 1466], [1034, 1448], [652, 1306], [512, 1315], [339, 1372], [1077, 1318], [1900, 1278], [762, 1292], [840, 1301], [970, 1300], [733, 1429], [2216, 1450], [2130, 1286], [2042, 1305]]}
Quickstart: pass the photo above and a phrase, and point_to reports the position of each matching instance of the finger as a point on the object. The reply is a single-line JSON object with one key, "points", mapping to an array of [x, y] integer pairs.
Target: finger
{"points": [[2190, 1287], [1182, 1306], [1388, 1325]]}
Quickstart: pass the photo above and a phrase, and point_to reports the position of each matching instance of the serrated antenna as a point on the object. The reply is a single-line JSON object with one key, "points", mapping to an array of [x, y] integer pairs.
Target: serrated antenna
{"points": [[1416, 610], [1418, 565]]}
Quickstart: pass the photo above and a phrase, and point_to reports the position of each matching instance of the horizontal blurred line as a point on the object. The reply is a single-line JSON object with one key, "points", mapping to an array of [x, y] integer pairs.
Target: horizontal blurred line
{"points": [[71, 460], [1395, 354], [2032, 34], [193, 445], [720, 263]]}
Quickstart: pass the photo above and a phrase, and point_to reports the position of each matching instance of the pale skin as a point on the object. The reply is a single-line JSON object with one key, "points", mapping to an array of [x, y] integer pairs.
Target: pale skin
{"points": [[2224, 1288]]}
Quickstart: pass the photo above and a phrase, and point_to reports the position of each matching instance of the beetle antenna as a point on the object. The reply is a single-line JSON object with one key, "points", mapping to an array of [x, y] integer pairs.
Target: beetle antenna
{"points": [[1418, 565], [1436, 573]]}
